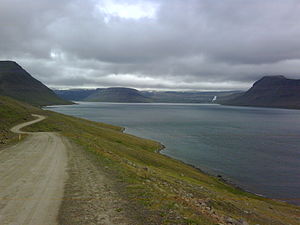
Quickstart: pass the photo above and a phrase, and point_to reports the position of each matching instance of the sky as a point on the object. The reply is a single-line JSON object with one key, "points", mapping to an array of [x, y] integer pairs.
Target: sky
{"points": [[191, 45]]}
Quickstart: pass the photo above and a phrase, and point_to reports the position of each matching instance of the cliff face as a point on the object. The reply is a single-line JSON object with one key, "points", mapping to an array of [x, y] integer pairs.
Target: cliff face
{"points": [[17, 83], [270, 91]]}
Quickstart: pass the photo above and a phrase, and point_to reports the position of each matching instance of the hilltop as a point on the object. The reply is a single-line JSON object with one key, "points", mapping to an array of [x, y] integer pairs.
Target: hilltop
{"points": [[270, 91], [17, 83]]}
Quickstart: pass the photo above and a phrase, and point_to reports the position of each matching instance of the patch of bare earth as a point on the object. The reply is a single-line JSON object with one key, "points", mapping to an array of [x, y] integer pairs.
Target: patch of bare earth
{"points": [[89, 196]]}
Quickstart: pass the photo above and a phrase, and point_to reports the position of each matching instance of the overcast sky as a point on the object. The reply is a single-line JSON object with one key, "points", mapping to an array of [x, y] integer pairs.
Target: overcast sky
{"points": [[152, 44]]}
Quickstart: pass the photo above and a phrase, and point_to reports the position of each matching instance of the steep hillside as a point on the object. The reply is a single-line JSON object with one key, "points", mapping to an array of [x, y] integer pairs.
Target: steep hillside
{"points": [[117, 94], [15, 82], [270, 91]]}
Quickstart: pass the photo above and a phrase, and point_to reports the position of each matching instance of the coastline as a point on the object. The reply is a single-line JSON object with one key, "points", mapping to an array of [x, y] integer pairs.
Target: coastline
{"points": [[167, 188], [217, 176], [154, 187], [224, 179]]}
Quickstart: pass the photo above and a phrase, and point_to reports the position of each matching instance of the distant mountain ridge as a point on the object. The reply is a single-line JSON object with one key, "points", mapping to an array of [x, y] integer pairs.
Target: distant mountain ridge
{"points": [[270, 91], [117, 94], [75, 94], [17, 83], [186, 96], [121, 94]]}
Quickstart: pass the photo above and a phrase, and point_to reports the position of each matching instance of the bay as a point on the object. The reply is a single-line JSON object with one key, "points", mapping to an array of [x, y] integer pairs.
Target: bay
{"points": [[256, 148]]}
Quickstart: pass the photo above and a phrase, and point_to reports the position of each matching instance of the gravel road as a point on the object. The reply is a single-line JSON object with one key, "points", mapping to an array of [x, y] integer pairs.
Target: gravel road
{"points": [[32, 177]]}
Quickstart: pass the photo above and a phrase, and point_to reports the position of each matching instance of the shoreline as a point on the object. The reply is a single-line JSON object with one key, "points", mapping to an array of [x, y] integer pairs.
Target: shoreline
{"points": [[175, 190], [223, 179], [155, 188], [216, 176]]}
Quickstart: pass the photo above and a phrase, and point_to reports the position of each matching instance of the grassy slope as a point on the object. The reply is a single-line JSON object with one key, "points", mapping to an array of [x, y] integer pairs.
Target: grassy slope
{"points": [[177, 193], [170, 191], [12, 112]]}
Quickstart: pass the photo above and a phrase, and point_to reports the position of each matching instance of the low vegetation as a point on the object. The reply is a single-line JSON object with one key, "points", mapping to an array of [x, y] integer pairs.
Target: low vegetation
{"points": [[12, 112], [161, 189]]}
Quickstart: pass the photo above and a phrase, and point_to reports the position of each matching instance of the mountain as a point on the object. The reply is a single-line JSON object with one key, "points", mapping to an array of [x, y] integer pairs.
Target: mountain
{"points": [[185, 96], [127, 95], [270, 91], [75, 94], [15, 82], [117, 94]]}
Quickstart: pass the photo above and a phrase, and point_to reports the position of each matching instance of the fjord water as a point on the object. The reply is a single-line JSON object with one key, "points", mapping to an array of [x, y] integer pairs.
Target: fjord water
{"points": [[256, 148]]}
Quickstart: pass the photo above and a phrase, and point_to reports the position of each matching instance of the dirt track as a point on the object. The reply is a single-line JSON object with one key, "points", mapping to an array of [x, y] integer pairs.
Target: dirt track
{"points": [[47, 180], [90, 196], [32, 176]]}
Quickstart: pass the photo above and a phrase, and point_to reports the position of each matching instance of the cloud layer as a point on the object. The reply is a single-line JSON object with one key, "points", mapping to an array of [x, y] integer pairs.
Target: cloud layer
{"points": [[152, 44]]}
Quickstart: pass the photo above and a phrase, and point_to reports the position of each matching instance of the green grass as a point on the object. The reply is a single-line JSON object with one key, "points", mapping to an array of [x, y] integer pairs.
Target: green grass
{"points": [[12, 112], [170, 191]]}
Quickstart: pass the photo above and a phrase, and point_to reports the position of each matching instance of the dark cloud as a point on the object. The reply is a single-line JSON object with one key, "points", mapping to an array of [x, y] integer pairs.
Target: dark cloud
{"points": [[192, 44]]}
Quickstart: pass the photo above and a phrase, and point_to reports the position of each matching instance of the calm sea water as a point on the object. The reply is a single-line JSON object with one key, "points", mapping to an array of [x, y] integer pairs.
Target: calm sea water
{"points": [[256, 148]]}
